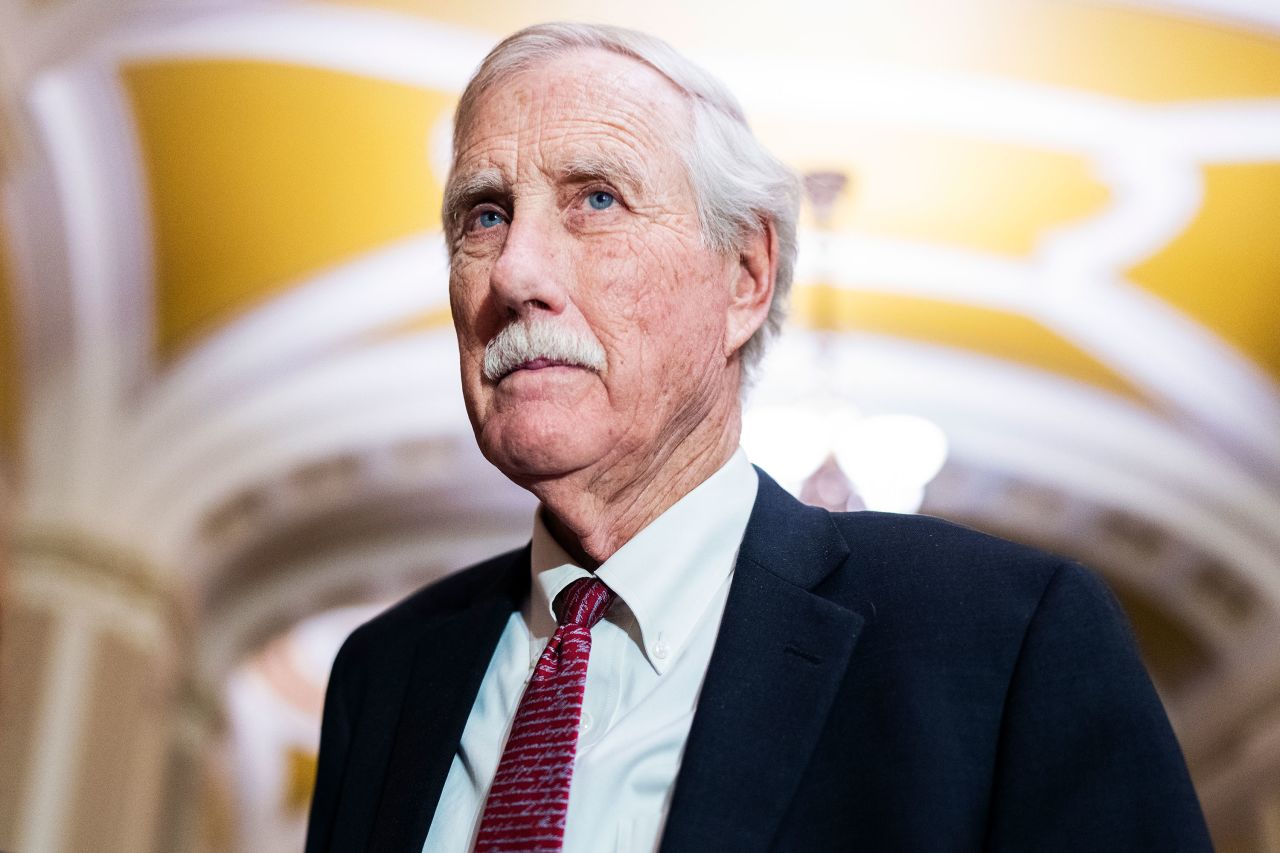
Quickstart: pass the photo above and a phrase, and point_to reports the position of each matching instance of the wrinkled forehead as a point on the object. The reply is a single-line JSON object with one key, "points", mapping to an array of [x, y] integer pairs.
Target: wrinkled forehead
{"points": [[587, 103]]}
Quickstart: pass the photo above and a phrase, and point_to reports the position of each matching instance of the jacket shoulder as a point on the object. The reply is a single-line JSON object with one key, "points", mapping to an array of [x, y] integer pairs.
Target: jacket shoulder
{"points": [[396, 625], [923, 537], [924, 540], [925, 567]]}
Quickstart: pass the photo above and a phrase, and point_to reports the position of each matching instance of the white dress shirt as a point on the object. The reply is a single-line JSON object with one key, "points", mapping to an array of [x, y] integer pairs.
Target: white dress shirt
{"points": [[649, 656]]}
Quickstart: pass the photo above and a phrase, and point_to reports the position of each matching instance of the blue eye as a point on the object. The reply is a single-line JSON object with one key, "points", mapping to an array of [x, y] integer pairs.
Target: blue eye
{"points": [[490, 218], [600, 199]]}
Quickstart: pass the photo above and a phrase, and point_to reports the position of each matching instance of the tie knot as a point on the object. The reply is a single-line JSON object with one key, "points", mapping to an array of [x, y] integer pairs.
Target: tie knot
{"points": [[583, 602]]}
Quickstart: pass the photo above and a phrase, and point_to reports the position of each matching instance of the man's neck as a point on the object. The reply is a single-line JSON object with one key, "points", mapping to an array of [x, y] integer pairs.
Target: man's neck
{"points": [[593, 516]]}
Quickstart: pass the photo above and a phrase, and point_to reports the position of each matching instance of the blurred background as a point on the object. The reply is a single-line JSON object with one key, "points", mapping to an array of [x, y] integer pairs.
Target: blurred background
{"points": [[1037, 294]]}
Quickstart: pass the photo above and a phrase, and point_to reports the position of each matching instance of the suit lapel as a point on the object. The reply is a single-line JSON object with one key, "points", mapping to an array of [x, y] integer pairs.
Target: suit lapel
{"points": [[450, 660], [779, 658]]}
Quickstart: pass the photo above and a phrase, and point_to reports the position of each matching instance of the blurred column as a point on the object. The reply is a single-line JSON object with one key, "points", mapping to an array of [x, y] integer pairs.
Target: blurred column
{"points": [[197, 803], [89, 664]]}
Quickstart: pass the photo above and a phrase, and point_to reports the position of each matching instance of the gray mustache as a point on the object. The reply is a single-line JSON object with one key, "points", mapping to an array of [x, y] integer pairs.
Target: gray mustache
{"points": [[524, 341]]}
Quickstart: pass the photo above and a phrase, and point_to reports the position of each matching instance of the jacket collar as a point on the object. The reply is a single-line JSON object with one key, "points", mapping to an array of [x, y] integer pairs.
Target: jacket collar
{"points": [[779, 659]]}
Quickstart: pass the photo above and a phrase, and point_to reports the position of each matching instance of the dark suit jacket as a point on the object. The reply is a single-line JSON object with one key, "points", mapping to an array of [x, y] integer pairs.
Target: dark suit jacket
{"points": [[879, 683]]}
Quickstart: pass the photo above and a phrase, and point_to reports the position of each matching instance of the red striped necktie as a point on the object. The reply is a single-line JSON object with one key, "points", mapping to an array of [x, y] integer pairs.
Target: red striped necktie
{"points": [[527, 803]]}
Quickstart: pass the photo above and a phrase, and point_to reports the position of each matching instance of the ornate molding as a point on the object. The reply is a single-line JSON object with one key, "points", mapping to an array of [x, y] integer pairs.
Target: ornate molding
{"points": [[316, 486], [113, 576]]}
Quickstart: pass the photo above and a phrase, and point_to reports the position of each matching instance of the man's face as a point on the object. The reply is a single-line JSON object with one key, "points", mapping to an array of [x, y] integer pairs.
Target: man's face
{"points": [[576, 213]]}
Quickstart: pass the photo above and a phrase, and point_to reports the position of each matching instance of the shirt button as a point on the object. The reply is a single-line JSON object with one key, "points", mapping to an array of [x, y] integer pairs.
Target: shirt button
{"points": [[584, 725], [660, 650]]}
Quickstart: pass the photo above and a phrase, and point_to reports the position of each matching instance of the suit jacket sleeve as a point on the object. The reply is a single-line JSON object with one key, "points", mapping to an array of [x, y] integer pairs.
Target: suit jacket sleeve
{"points": [[1087, 759]]}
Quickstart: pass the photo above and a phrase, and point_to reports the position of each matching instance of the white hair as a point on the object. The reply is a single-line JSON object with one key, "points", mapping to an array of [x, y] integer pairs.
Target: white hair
{"points": [[529, 339], [738, 185]]}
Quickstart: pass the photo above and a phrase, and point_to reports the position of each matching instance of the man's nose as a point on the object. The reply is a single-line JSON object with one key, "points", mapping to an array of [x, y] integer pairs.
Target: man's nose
{"points": [[528, 277]]}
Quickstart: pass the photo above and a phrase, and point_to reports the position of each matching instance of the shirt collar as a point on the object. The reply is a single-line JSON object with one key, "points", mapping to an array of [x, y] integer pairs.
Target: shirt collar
{"points": [[668, 572]]}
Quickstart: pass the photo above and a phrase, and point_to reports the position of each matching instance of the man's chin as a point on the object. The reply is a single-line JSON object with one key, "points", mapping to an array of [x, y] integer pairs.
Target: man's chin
{"points": [[528, 473], [545, 453]]}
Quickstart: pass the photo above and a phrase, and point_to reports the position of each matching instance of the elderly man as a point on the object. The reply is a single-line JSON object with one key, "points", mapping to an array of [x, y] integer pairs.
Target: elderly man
{"points": [[685, 658]]}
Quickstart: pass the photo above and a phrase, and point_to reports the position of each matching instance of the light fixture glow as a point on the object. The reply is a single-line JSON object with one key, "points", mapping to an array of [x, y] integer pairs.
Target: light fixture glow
{"points": [[789, 442], [891, 458]]}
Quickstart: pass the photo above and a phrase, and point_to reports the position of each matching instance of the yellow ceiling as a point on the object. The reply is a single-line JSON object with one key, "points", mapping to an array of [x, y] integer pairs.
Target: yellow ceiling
{"points": [[261, 174], [1011, 337], [1224, 270], [1142, 54], [920, 185], [10, 373]]}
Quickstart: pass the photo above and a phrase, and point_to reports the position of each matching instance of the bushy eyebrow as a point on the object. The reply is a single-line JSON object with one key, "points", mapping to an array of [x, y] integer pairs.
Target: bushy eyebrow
{"points": [[604, 166], [466, 192]]}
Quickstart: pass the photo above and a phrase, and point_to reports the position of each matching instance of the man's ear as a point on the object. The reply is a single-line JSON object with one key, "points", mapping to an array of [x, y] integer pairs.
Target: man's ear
{"points": [[752, 287]]}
